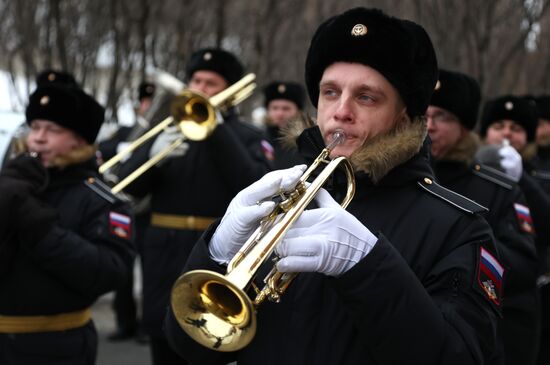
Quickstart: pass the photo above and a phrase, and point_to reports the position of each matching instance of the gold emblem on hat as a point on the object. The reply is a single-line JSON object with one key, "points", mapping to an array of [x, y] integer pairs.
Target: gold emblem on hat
{"points": [[44, 100], [281, 88], [437, 85], [207, 56], [51, 77], [509, 105], [359, 30]]}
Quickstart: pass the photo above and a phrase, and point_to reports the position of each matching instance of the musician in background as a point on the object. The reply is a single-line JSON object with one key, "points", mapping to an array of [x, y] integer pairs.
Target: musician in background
{"points": [[65, 240], [514, 119], [451, 116], [400, 277], [18, 143], [191, 188], [284, 101], [124, 135]]}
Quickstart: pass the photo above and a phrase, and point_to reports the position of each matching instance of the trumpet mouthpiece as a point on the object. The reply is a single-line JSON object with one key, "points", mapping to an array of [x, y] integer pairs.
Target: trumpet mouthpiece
{"points": [[338, 137]]}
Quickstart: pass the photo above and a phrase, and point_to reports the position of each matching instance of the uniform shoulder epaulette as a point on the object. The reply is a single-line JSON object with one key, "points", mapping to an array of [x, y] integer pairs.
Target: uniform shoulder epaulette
{"points": [[541, 174], [449, 196], [101, 189], [493, 175]]}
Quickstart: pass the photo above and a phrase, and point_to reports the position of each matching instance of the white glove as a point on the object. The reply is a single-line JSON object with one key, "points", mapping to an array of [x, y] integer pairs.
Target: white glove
{"points": [[510, 161], [247, 209], [164, 139], [327, 240], [121, 147]]}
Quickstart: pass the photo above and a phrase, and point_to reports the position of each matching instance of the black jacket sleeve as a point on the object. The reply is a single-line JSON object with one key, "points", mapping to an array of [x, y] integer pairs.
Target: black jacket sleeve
{"points": [[93, 261]]}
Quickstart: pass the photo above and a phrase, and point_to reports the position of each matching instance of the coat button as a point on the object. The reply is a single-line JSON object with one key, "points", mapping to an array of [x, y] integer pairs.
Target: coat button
{"points": [[428, 181]]}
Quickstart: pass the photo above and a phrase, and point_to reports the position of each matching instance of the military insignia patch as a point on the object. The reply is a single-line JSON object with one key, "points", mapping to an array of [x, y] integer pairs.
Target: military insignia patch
{"points": [[523, 215], [268, 150], [120, 225], [489, 276]]}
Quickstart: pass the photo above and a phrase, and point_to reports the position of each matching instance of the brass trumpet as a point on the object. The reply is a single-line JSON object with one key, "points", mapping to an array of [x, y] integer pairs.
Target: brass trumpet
{"points": [[195, 116], [215, 309]]}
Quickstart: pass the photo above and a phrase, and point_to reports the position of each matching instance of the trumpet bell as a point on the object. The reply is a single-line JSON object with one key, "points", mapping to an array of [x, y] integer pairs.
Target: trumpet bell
{"points": [[213, 310]]}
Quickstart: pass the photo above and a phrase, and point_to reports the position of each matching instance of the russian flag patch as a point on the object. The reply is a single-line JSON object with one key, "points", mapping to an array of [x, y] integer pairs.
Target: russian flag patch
{"points": [[268, 150], [524, 218], [490, 276], [120, 225]]}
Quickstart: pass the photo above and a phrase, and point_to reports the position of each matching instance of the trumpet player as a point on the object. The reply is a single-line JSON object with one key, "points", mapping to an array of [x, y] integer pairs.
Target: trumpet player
{"points": [[408, 273], [191, 188], [64, 239]]}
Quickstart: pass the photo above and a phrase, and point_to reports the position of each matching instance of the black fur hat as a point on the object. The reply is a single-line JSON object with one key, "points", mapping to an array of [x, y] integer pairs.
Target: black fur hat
{"points": [[459, 94], [67, 106], [216, 60], [50, 76], [146, 90], [399, 49], [521, 110], [291, 91], [543, 106]]}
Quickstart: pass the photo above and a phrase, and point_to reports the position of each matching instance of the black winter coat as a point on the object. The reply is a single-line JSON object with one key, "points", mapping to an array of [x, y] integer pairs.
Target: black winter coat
{"points": [[65, 261], [283, 157], [416, 298], [200, 183], [520, 326]]}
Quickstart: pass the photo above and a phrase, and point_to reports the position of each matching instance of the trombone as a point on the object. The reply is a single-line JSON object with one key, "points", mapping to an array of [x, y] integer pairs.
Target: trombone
{"points": [[215, 310], [195, 116]]}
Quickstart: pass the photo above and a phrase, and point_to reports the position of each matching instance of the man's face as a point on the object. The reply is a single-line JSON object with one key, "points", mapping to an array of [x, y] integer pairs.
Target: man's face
{"points": [[144, 105], [50, 140], [207, 82], [543, 130], [507, 129], [444, 129], [280, 111], [360, 101]]}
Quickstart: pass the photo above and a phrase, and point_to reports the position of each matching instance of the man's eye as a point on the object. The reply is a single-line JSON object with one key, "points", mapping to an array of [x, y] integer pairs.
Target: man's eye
{"points": [[365, 97], [329, 92]]}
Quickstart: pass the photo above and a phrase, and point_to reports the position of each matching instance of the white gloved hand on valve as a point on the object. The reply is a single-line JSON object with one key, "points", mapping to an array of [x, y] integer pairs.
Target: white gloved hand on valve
{"points": [[166, 138], [510, 161], [326, 240], [246, 210]]}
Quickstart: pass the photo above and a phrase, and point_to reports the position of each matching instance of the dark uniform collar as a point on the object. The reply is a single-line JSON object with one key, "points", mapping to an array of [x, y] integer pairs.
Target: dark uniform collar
{"points": [[310, 144], [449, 170], [543, 152], [72, 174]]}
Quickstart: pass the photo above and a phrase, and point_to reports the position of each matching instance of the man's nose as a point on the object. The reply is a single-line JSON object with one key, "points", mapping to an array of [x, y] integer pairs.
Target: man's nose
{"points": [[344, 112]]}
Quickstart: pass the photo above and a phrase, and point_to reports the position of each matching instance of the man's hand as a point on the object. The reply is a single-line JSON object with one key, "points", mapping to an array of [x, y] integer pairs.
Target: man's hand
{"points": [[26, 170], [247, 209], [327, 240], [166, 138], [510, 161]]}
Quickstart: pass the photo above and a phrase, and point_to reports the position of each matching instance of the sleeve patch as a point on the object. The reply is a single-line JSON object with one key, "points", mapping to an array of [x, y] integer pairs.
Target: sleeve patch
{"points": [[523, 215], [268, 150], [489, 276], [120, 225]]}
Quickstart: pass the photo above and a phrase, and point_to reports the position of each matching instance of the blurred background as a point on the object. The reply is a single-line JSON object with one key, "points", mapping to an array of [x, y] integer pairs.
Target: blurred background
{"points": [[112, 45]]}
